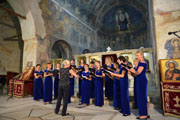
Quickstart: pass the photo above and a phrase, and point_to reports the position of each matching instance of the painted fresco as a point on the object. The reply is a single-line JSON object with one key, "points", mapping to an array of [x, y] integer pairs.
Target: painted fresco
{"points": [[173, 48], [124, 27], [84, 24], [62, 25]]}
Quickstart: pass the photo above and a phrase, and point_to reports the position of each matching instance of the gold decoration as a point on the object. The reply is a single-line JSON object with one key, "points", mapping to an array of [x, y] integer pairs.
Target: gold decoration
{"points": [[177, 99]]}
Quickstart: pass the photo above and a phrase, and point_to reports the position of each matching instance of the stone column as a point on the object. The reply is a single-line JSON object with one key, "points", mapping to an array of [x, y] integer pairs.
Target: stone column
{"points": [[30, 51]]}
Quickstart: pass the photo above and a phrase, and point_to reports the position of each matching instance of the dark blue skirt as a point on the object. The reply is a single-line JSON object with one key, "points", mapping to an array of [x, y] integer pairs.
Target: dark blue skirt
{"points": [[48, 89], [56, 84], [38, 89], [86, 91], [99, 95], [116, 94]]}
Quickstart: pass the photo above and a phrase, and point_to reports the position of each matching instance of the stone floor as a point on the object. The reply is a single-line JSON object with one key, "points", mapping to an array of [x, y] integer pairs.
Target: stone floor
{"points": [[27, 109]]}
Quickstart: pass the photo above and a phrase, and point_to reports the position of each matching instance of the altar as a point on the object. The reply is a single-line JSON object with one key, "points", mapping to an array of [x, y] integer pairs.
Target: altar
{"points": [[170, 86]]}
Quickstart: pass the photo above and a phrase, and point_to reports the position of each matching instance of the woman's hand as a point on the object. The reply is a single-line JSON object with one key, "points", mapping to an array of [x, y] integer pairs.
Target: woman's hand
{"points": [[98, 75], [132, 70], [112, 74]]}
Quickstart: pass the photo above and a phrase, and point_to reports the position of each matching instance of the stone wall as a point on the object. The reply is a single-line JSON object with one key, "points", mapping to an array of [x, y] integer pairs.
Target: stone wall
{"points": [[62, 25], [167, 19], [11, 44]]}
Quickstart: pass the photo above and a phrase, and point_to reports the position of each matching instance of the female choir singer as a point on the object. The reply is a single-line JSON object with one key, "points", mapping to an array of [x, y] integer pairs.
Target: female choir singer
{"points": [[116, 89], [80, 73], [123, 75], [99, 94], [135, 82], [141, 86], [93, 79], [48, 84], [86, 86], [108, 80], [56, 81], [72, 80], [38, 83]]}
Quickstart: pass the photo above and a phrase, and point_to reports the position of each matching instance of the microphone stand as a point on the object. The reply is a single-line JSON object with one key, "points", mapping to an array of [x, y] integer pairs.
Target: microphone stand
{"points": [[176, 35]]}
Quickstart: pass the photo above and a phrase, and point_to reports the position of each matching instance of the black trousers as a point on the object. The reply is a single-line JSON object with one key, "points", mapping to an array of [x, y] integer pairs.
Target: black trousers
{"points": [[63, 93]]}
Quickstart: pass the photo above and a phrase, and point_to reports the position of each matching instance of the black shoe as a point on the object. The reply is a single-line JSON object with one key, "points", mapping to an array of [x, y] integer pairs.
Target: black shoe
{"points": [[116, 109], [148, 116], [137, 118], [65, 114], [50, 102], [125, 115], [134, 107]]}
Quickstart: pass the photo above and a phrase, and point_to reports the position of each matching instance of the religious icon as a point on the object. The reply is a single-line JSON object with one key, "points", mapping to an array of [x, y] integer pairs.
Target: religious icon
{"points": [[94, 58], [176, 48], [173, 48], [172, 73], [122, 20], [170, 70]]}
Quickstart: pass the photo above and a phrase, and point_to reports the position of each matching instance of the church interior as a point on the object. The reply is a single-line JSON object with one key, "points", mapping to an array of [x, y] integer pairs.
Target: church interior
{"points": [[37, 32]]}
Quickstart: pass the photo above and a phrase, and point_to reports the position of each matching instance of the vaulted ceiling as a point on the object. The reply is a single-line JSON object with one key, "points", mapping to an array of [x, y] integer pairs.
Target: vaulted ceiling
{"points": [[93, 11]]}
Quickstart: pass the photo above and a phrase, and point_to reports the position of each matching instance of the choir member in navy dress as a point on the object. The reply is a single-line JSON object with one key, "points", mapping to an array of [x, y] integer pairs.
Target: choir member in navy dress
{"points": [[135, 81], [141, 86], [56, 81], [123, 75], [116, 88], [99, 94], [38, 83], [72, 80], [48, 83], [93, 79], [86, 86], [80, 74], [108, 80], [64, 87]]}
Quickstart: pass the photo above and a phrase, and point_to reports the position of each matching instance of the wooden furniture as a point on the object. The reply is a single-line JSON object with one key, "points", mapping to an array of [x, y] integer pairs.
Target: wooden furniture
{"points": [[22, 84], [170, 85]]}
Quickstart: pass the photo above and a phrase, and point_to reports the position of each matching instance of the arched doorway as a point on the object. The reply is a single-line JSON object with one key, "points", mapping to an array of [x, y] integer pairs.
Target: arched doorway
{"points": [[61, 49]]}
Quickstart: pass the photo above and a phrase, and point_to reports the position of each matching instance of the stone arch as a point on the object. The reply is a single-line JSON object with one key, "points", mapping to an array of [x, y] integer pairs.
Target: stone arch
{"points": [[32, 26], [61, 49]]}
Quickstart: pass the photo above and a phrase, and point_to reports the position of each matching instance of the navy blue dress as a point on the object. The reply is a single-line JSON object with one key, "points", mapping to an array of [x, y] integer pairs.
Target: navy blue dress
{"points": [[108, 86], [141, 86], [135, 90], [86, 89], [56, 84], [116, 93], [124, 92], [38, 87], [72, 86], [99, 95], [71, 89], [93, 87], [80, 81], [48, 82]]}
